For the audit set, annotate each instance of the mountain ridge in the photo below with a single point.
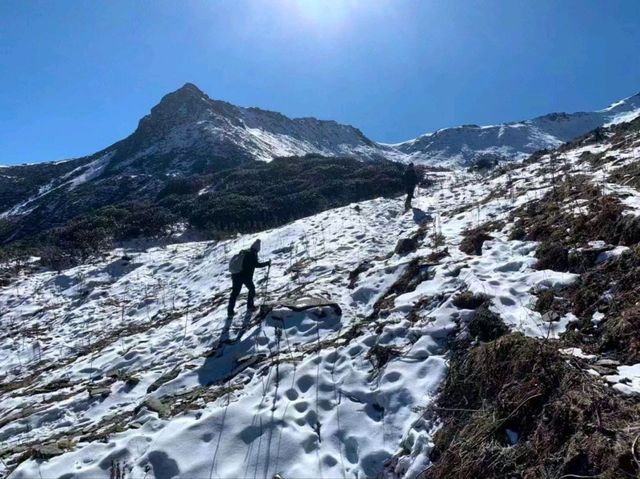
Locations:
(188, 115)
(466, 144)
(189, 126)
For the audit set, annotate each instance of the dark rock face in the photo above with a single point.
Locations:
(406, 246)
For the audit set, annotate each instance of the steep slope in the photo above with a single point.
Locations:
(468, 144)
(128, 364)
(187, 136)
(73, 216)
(24, 183)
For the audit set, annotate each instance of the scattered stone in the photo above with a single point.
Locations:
(46, 451)
(165, 378)
(284, 249)
(421, 217)
(550, 317)
(101, 392)
(607, 362)
(156, 406)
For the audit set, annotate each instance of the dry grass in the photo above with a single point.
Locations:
(566, 422)
(412, 276)
(486, 325)
(612, 289)
(629, 175)
(558, 230)
(469, 300)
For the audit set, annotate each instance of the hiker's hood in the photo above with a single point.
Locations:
(256, 245)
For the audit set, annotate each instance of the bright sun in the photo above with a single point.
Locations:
(322, 13)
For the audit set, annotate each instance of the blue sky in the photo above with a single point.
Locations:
(76, 75)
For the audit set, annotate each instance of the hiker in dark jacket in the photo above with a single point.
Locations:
(410, 180)
(245, 277)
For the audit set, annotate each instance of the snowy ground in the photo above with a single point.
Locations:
(130, 365)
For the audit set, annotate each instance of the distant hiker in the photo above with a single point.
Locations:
(241, 267)
(410, 180)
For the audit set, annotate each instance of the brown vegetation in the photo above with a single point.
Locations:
(473, 240)
(515, 408)
(486, 325)
(612, 289)
(559, 230)
(469, 300)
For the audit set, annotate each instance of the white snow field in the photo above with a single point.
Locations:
(516, 140)
(127, 367)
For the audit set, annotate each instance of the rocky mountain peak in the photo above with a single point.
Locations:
(185, 103)
(189, 89)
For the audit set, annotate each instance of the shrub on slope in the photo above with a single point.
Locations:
(80, 223)
(260, 195)
(515, 408)
(572, 214)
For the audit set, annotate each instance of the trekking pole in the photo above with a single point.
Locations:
(265, 288)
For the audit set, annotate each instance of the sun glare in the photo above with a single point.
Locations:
(327, 14)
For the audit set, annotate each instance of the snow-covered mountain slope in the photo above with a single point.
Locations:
(187, 124)
(191, 135)
(513, 141)
(187, 137)
(187, 133)
(296, 393)
(128, 365)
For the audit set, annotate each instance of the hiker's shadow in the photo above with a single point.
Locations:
(219, 365)
(421, 216)
(225, 334)
(246, 321)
